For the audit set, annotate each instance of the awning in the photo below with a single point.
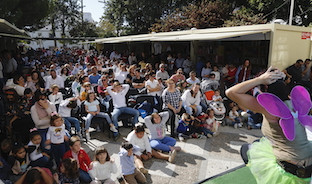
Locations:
(208, 36)
(9, 30)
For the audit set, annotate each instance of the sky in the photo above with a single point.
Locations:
(95, 8)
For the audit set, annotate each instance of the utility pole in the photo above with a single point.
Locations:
(82, 12)
(291, 11)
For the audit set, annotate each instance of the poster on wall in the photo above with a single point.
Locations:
(305, 35)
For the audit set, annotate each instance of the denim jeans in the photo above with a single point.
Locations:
(101, 115)
(118, 111)
(163, 144)
(58, 150)
(189, 109)
(43, 134)
(69, 121)
(84, 176)
(41, 162)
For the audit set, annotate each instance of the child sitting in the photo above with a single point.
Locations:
(139, 138)
(156, 123)
(211, 124)
(18, 161)
(55, 97)
(65, 112)
(234, 117)
(56, 136)
(217, 97)
(37, 157)
(69, 172)
(187, 128)
(130, 172)
(81, 157)
(102, 167)
(93, 109)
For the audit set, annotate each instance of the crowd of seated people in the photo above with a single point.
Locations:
(51, 98)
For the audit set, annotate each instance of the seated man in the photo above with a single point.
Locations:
(118, 93)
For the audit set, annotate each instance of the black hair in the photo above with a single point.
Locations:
(32, 134)
(299, 61)
(126, 145)
(279, 89)
(16, 78)
(32, 176)
(139, 127)
(27, 91)
(38, 94)
(16, 147)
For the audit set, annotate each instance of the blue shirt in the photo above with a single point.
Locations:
(93, 79)
(182, 127)
(127, 162)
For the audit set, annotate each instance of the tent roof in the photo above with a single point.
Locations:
(9, 30)
(193, 34)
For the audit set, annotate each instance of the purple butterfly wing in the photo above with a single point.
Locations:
(288, 127)
(276, 107)
(301, 101)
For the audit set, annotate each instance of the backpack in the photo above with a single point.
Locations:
(145, 109)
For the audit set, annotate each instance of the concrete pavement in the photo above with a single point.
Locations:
(199, 158)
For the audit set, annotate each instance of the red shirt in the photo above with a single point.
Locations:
(83, 159)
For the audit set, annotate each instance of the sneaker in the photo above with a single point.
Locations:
(181, 138)
(201, 137)
(172, 155)
(116, 135)
(79, 134)
(215, 134)
(235, 125)
(143, 170)
(98, 129)
(113, 129)
(177, 148)
(209, 135)
(240, 125)
(88, 136)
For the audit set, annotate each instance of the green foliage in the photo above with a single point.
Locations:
(244, 16)
(205, 14)
(25, 14)
(136, 16)
(106, 29)
(85, 29)
(302, 10)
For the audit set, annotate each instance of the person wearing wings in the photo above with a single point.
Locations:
(284, 154)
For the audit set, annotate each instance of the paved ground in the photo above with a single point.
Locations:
(199, 158)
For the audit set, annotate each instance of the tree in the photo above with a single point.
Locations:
(85, 29)
(244, 16)
(279, 9)
(136, 16)
(25, 14)
(106, 29)
(205, 14)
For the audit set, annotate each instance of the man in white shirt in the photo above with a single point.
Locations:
(162, 73)
(187, 65)
(153, 86)
(193, 79)
(54, 79)
(118, 93)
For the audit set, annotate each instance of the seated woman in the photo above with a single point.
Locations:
(191, 100)
(41, 115)
(284, 155)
